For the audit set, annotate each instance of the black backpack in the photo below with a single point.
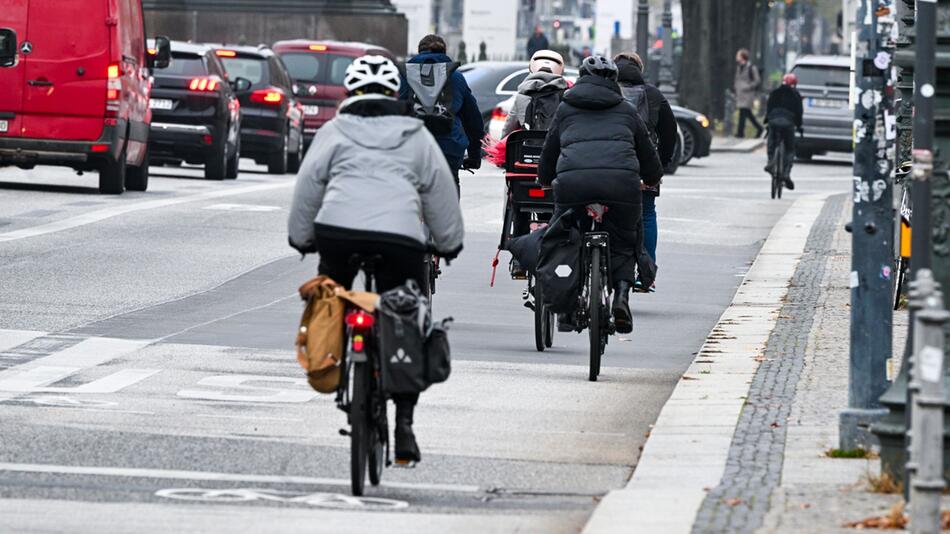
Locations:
(432, 95)
(541, 109)
(637, 96)
(559, 264)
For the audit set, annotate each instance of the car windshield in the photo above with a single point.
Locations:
(185, 65)
(329, 69)
(826, 76)
(252, 69)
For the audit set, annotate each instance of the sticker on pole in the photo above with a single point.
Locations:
(335, 501)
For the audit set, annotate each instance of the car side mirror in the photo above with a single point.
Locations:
(241, 84)
(8, 48)
(163, 53)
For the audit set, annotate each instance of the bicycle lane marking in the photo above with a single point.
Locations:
(114, 211)
(333, 501)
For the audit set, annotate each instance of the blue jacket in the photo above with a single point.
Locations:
(469, 128)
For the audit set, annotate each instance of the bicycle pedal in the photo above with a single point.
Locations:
(530, 305)
(404, 464)
(344, 432)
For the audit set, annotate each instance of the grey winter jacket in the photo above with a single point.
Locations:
(535, 82)
(746, 85)
(376, 178)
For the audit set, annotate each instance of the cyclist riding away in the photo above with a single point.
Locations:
(784, 116)
(596, 151)
(539, 94)
(374, 182)
(464, 128)
(656, 113)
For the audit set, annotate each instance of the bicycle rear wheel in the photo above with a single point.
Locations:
(359, 426)
(377, 443)
(596, 313)
(540, 317)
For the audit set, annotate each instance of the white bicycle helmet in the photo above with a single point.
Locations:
(371, 74)
(547, 61)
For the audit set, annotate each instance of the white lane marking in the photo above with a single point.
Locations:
(114, 211)
(241, 207)
(251, 393)
(250, 417)
(334, 501)
(15, 338)
(33, 375)
(219, 477)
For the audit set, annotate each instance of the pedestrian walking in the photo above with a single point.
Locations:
(746, 85)
(537, 41)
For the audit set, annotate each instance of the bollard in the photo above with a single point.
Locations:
(925, 470)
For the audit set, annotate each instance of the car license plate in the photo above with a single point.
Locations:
(826, 103)
(160, 103)
(311, 110)
(4, 126)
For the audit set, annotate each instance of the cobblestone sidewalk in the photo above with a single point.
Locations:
(778, 478)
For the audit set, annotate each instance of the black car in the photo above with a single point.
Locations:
(195, 113)
(271, 116)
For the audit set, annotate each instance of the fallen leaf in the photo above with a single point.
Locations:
(685, 377)
(734, 502)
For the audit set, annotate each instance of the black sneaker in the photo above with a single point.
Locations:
(789, 184)
(407, 451)
(565, 322)
(623, 319)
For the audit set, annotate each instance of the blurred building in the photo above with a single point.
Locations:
(257, 21)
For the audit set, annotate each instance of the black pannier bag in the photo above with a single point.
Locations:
(559, 264)
(438, 355)
(404, 323)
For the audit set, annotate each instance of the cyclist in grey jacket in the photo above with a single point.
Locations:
(374, 182)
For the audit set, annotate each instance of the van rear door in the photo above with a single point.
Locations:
(66, 71)
(12, 80)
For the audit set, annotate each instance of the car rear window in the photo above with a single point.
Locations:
(185, 65)
(253, 69)
(826, 76)
(329, 69)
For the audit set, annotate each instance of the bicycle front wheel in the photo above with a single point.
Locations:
(595, 310)
(359, 426)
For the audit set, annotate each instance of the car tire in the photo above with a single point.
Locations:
(688, 143)
(112, 176)
(234, 162)
(136, 178)
(277, 161)
(294, 160)
(216, 164)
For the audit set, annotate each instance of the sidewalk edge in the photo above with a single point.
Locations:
(686, 452)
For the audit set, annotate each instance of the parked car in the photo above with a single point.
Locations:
(824, 82)
(317, 69)
(76, 94)
(271, 115)
(196, 115)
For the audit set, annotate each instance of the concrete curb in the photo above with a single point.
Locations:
(686, 452)
(744, 146)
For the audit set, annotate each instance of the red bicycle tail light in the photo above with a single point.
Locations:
(360, 319)
(271, 95)
(498, 114)
(536, 193)
(203, 84)
(358, 343)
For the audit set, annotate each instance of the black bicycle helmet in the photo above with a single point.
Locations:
(599, 66)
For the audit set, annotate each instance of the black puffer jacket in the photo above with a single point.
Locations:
(597, 148)
(785, 102)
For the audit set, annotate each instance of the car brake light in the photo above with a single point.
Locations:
(498, 114)
(358, 343)
(225, 53)
(359, 319)
(113, 90)
(536, 193)
(267, 96)
(203, 84)
(318, 48)
(99, 148)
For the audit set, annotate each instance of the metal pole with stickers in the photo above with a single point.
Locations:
(872, 263)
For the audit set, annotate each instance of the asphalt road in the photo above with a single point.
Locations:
(147, 381)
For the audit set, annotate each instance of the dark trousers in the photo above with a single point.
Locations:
(398, 263)
(622, 222)
(746, 113)
(782, 131)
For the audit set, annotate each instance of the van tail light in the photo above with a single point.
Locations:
(360, 319)
(203, 84)
(271, 95)
(536, 193)
(498, 114)
(113, 90)
(225, 53)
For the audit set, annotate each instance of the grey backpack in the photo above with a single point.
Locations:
(432, 95)
(637, 95)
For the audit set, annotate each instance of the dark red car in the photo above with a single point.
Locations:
(317, 68)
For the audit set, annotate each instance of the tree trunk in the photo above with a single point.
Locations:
(713, 30)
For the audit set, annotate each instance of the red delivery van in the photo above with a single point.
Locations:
(75, 77)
